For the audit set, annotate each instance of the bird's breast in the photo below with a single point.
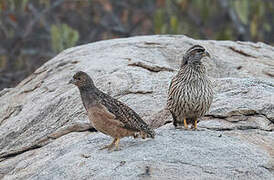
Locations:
(192, 97)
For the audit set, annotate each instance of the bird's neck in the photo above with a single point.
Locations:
(87, 88)
(89, 95)
(190, 71)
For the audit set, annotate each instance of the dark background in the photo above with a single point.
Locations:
(34, 31)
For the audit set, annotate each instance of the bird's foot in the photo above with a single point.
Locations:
(116, 143)
(114, 149)
(196, 129)
(109, 147)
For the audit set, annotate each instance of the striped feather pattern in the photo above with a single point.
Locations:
(190, 93)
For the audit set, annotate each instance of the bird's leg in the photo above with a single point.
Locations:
(185, 124)
(110, 146)
(195, 124)
(117, 144)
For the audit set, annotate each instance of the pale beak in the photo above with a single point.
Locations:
(206, 54)
(72, 81)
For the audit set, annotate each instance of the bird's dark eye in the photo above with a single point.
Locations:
(78, 78)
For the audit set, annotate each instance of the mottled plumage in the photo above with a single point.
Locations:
(108, 115)
(190, 92)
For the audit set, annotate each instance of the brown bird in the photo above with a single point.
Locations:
(190, 92)
(108, 115)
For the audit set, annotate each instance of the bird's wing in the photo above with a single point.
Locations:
(171, 92)
(123, 113)
(101, 113)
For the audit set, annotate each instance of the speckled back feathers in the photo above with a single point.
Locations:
(92, 96)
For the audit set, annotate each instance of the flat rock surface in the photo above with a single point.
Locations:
(175, 154)
(45, 132)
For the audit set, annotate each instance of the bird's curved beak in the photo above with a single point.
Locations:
(206, 54)
(72, 81)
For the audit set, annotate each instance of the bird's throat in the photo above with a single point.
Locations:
(89, 96)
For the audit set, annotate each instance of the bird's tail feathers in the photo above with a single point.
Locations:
(150, 133)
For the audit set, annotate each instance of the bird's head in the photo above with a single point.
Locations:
(194, 55)
(81, 80)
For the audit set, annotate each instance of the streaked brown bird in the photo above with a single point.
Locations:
(190, 92)
(109, 115)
